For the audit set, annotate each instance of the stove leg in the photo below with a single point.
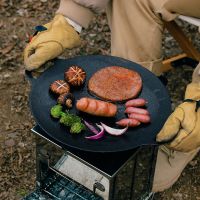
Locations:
(42, 162)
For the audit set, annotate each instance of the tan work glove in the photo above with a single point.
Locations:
(183, 125)
(50, 43)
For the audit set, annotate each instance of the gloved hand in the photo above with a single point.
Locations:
(50, 43)
(183, 125)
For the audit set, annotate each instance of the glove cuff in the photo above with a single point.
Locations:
(193, 91)
(72, 38)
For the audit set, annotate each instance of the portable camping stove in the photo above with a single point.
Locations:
(64, 173)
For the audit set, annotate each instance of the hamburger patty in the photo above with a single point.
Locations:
(115, 83)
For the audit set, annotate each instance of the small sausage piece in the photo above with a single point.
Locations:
(128, 122)
(136, 102)
(96, 107)
(140, 117)
(136, 110)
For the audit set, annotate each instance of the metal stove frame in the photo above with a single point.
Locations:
(129, 174)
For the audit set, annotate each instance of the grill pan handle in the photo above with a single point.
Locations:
(31, 76)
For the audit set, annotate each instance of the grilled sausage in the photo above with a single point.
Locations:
(128, 122)
(140, 117)
(136, 102)
(136, 110)
(96, 107)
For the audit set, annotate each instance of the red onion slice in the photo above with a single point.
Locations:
(92, 128)
(97, 136)
(114, 131)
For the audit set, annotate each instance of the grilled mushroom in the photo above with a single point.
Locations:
(66, 99)
(75, 76)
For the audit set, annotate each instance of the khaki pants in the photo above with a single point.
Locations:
(136, 34)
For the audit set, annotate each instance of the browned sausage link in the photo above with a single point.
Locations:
(82, 104)
(102, 106)
(136, 102)
(128, 122)
(136, 110)
(92, 105)
(96, 107)
(140, 117)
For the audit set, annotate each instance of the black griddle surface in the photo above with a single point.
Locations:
(41, 101)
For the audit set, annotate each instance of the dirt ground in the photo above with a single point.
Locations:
(17, 146)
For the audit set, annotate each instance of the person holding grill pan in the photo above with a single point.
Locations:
(141, 21)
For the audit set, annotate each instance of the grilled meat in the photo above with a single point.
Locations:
(115, 83)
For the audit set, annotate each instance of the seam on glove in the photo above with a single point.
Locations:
(183, 115)
(51, 41)
(183, 120)
(184, 129)
(169, 153)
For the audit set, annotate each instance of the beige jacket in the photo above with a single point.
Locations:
(81, 11)
(137, 40)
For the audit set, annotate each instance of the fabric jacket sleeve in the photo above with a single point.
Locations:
(81, 11)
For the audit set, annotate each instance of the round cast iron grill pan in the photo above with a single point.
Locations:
(41, 101)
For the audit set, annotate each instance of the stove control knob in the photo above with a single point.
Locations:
(98, 186)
